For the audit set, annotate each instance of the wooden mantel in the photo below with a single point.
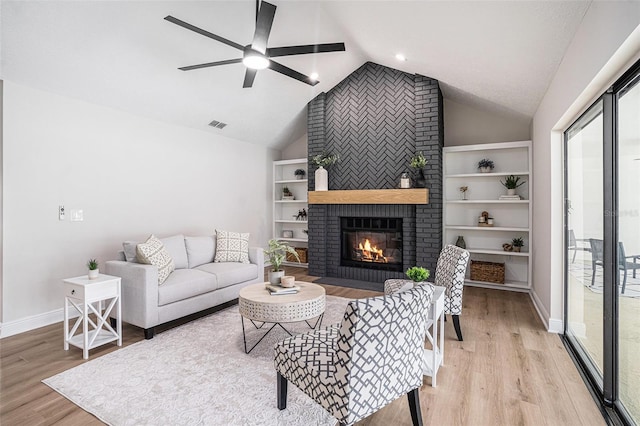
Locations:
(371, 196)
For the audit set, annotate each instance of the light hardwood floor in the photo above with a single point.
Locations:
(508, 371)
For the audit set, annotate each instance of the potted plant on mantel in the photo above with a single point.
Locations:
(277, 253)
(419, 162)
(417, 274)
(94, 272)
(322, 176)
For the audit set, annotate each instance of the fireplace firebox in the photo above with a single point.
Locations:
(370, 242)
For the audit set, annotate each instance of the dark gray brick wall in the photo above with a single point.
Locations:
(376, 119)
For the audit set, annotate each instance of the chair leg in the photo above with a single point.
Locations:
(282, 392)
(414, 407)
(593, 274)
(456, 325)
(624, 281)
(574, 255)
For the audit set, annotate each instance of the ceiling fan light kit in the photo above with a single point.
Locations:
(257, 56)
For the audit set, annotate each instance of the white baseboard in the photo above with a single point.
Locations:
(551, 324)
(22, 325)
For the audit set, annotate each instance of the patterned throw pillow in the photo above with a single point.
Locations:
(152, 252)
(232, 247)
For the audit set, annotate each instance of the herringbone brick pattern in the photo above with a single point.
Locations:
(376, 119)
(370, 122)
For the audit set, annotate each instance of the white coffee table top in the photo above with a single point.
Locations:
(256, 303)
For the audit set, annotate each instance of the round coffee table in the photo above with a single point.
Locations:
(258, 306)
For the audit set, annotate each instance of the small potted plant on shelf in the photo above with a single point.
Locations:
(419, 162)
(517, 244)
(417, 274)
(464, 190)
(286, 194)
(277, 253)
(299, 174)
(92, 264)
(512, 182)
(321, 175)
(485, 165)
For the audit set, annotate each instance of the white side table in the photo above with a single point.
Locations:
(434, 357)
(87, 296)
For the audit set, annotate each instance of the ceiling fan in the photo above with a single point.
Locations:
(257, 56)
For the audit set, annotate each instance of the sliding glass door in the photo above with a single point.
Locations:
(584, 147)
(602, 246)
(628, 178)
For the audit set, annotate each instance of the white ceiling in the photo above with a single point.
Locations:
(499, 56)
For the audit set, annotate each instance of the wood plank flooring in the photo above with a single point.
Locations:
(508, 371)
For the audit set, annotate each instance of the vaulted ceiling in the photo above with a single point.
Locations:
(498, 56)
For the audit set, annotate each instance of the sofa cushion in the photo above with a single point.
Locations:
(232, 247)
(230, 273)
(152, 252)
(200, 250)
(185, 283)
(130, 251)
(176, 249)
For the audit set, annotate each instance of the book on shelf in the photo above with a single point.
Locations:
(277, 290)
(509, 197)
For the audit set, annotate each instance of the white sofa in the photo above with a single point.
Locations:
(196, 284)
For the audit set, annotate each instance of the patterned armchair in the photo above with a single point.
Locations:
(450, 271)
(373, 357)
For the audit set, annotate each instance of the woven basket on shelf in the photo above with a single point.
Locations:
(302, 254)
(487, 271)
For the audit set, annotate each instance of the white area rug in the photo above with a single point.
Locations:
(195, 374)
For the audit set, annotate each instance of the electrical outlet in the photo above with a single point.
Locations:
(77, 215)
(60, 212)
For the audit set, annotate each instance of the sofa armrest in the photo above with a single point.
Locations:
(256, 256)
(139, 291)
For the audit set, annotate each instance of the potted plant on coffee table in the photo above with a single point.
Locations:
(277, 253)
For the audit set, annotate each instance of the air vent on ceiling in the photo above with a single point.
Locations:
(218, 124)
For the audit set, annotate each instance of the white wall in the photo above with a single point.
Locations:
(595, 57)
(131, 176)
(466, 125)
(295, 150)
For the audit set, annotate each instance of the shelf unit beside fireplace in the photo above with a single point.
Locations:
(512, 218)
(285, 210)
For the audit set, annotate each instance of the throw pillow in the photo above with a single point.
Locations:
(175, 247)
(130, 251)
(152, 252)
(232, 247)
(200, 250)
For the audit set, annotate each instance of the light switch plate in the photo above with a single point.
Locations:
(77, 215)
(60, 212)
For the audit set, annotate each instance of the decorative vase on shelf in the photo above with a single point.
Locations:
(460, 242)
(511, 191)
(421, 182)
(322, 179)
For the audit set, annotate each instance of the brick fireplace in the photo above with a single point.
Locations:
(376, 119)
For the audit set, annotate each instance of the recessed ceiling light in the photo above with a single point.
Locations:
(401, 57)
(313, 76)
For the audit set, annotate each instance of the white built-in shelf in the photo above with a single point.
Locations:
(487, 228)
(487, 201)
(512, 218)
(498, 252)
(285, 211)
(292, 180)
(487, 175)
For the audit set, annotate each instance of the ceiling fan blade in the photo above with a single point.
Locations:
(291, 73)
(305, 49)
(203, 32)
(263, 27)
(249, 76)
(211, 64)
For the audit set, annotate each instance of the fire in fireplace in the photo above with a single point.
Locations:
(369, 242)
